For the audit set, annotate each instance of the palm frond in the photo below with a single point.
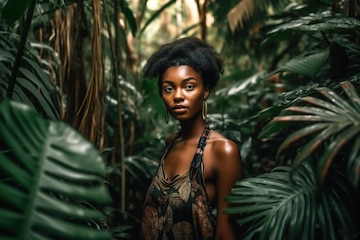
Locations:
(277, 207)
(33, 86)
(51, 179)
(245, 10)
(332, 123)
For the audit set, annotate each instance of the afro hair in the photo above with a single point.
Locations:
(189, 51)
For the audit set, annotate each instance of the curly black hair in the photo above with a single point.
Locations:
(189, 51)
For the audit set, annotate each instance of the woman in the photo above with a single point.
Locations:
(191, 179)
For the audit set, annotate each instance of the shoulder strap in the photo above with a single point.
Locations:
(197, 164)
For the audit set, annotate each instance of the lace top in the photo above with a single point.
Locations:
(178, 208)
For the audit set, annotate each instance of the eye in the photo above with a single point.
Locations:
(189, 87)
(168, 89)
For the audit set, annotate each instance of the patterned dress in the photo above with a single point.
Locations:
(179, 208)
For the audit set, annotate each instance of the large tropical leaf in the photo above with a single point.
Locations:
(51, 181)
(275, 207)
(308, 65)
(331, 122)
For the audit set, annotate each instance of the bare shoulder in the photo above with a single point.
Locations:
(222, 146)
(224, 155)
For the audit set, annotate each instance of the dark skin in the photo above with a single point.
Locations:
(183, 92)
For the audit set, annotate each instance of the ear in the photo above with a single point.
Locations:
(206, 93)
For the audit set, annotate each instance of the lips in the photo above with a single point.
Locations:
(179, 108)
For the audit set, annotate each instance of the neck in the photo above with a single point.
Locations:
(192, 129)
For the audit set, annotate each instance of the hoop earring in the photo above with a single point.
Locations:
(204, 110)
(167, 116)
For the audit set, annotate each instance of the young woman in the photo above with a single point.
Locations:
(199, 166)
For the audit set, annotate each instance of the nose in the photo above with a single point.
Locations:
(178, 96)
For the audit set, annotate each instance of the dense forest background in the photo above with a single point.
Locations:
(81, 132)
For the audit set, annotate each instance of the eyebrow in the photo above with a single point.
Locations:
(184, 80)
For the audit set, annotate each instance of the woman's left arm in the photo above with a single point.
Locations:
(228, 171)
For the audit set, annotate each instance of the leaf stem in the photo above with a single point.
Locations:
(21, 48)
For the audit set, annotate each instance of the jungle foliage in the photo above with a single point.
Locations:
(77, 117)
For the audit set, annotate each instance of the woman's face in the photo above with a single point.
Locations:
(183, 92)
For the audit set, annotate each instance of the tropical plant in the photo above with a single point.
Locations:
(22, 76)
(273, 206)
(328, 135)
(284, 50)
(51, 179)
(313, 128)
(332, 121)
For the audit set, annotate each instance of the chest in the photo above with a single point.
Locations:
(178, 159)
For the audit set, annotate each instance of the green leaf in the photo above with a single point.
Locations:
(129, 15)
(52, 177)
(352, 94)
(341, 103)
(311, 111)
(323, 104)
(295, 136)
(354, 164)
(320, 22)
(316, 141)
(298, 212)
(331, 123)
(333, 148)
(42, 102)
(150, 86)
(14, 9)
(306, 65)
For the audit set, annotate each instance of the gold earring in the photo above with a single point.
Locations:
(204, 110)
(167, 116)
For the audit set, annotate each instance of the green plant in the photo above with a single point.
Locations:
(312, 131)
(307, 197)
(273, 206)
(51, 179)
(330, 122)
(22, 77)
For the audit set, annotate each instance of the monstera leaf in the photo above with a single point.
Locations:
(275, 206)
(51, 180)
